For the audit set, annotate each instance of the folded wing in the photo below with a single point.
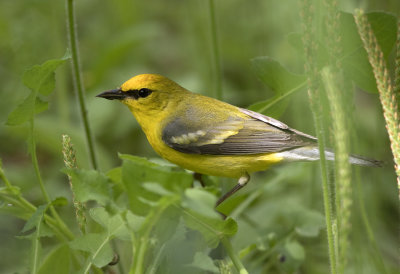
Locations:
(249, 134)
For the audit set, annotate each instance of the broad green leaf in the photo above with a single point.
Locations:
(200, 201)
(115, 174)
(273, 107)
(212, 229)
(309, 223)
(156, 188)
(98, 245)
(26, 110)
(113, 225)
(60, 201)
(295, 250)
(90, 185)
(40, 105)
(275, 76)
(59, 258)
(23, 112)
(278, 79)
(176, 254)
(41, 78)
(204, 262)
(136, 171)
(135, 222)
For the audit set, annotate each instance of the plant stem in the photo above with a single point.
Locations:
(325, 192)
(79, 89)
(342, 166)
(216, 56)
(30, 209)
(311, 67)
(32, 149)
(234, 257)
(364, 216)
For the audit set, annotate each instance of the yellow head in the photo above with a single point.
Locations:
(146, 94)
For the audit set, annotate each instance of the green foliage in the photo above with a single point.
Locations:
(281, 81)
(41, 80)
(90, 185)
(59, 258)
(151, 215)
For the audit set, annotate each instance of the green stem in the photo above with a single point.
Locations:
(326, 192)
(4, 178)
(32, 146)
(78, 79)
(214, 39)
(332, 82)
(234, 257)
(30, 209)
(364, 216)
(309, 17)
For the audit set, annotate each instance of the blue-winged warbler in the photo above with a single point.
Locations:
(211, 137)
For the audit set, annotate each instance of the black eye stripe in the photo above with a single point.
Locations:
(141, 93)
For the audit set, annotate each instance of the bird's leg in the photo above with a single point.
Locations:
(241, 183)
(197, 176)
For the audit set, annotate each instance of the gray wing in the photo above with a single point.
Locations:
(235, 136)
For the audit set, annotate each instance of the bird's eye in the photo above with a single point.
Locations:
(144, 92)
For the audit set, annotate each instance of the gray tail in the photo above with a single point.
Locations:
(311, 153)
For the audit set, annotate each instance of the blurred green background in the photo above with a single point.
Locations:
(120, 39)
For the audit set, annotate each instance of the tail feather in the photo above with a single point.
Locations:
(312, 154)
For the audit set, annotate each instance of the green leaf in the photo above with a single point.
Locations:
(278, 79)
(200, 201)
(156, 188)
(212, 229)
(273, 107)
(41, 78)
(309, 223)
(204, 262)
(295, 250)
(138, 172)
(275, 76)
(35, 219)
(90, 185)
(23, 112)
(40, 105)
(59, 258)
(135, 222)
(113, 225)
(98, 245)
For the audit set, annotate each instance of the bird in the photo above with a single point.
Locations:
(208, 136)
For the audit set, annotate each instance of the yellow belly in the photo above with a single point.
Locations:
(225, 166)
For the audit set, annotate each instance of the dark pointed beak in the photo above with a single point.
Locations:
(112, 94)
